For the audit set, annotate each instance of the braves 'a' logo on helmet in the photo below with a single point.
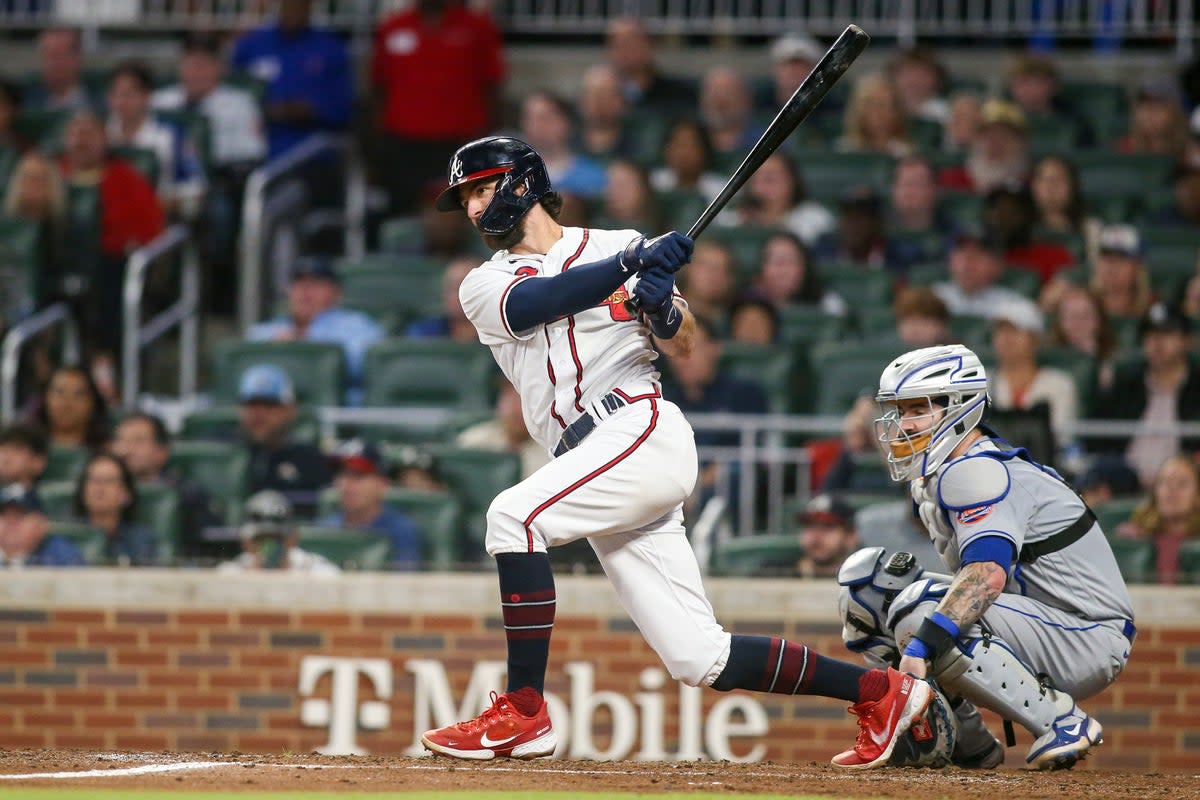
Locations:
(456, 169)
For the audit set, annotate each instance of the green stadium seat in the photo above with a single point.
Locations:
(317, 369)
(429, 372)
(758, 555)
(20, 265)
(220, 424)
(9, 156)
(925, 134)
(88, 540)
(859, 287)
(401, 235)
(58, 498)
(1189, 561)
(389, 262)
(220, 468)
(1068, 239)
(144, 160)
(827, 175)
(875, 321)
(1136, 559)
(1105, 172)
(1083, 372)
(1105, 107)
(772, 368)
(250, 83)
(1024, 281)
(158, 509)
(81, 232)
(438, 515)
(963, 209)
(845, 370)
(65, 463)
(1115, 513)
(476, 477)
(1053, 134)
(646, 132)
(805, 324)
(350, 550)
(395, 296)
(930, 244)
(43, 128)
(680, 208)
(745, 242)
(974, 332)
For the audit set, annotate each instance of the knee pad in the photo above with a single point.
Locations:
(914, 603)
(871, 582)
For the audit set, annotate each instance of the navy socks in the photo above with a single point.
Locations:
(771, 664)
(527, 602)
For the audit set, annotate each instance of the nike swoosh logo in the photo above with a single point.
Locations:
(486, 742)
(1073, 730)
(882, 740)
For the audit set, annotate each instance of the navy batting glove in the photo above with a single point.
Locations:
(654, 291)
(669, 251)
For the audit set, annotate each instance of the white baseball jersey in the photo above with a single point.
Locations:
(560, 367)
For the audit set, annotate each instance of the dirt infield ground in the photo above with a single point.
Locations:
(223, 772)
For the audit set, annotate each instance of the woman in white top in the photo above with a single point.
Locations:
(687, 157)
(775, 197)
(787, 277)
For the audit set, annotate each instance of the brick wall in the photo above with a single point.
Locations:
(117, 675)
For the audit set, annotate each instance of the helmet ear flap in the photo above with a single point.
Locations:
(508, 205)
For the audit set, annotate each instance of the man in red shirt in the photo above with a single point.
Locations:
(436, 71)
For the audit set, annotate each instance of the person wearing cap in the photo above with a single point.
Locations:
(1107, 478)
(1119, 275)
(25, 539)
(827, 535)
(1017, 382)
(1162, 390)
(416, 468)
(315, 315)
(976, 264)
(1157, 124)
(998, 154)
(24, 451)
(921, 82)
(266, 413)
(270, 540)
(362, 485)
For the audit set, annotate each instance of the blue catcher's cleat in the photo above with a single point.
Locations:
(1068, 741)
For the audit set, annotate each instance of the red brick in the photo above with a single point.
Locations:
(204, 618)
(443, 623)
(116, 637)
(52, 635)
(12, 739)
(1154, 655)
(1178, 719)
(141, 618)
(577, 624)
(1178, 677)
(142, 658)
(48, 719)
(86, 740)
(108, 719)
(1177, 760)
(1179, 636)
(389, 622)
(202, 741)
(235, 680)
(217, 701)
(143, 741)
(1133, 697)
(21, 697)
(173, 638)
(327, 619)
(79, 698)
(357, 641)
(277, 681)
(80, 616)
(263, 619)
(180, 680)
(8, 719)
(234, 638)
(267, 660)
(26, 655)
(154, 700)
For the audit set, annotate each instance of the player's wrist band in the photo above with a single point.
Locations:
(934, 638)
(665, 322)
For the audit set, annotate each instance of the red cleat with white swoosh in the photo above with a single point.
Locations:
(501, 731)
(880, 722)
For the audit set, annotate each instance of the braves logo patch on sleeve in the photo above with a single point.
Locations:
(969, 516)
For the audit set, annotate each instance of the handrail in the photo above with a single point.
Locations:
(184, 313)
(15, 339)
(254, 207)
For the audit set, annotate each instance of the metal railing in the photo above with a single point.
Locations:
(274, 193)
(16, 339)
(184, 313)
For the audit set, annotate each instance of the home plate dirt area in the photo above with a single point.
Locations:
(233, 773)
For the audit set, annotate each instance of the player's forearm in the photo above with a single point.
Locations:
(536, 301)
(975, 588)
(679, 345)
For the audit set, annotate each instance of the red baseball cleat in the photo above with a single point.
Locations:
(499, 732)
(880, 722)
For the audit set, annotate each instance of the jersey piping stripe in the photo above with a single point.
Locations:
(594, 474)
(504, 302)
(657, 393)
(550, 372)
(571, 327)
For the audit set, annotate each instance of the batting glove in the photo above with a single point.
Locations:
(654, 291)
(669, 251)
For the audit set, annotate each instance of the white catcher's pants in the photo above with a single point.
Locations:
(623, 489)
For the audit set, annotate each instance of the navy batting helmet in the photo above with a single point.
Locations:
(515, 162)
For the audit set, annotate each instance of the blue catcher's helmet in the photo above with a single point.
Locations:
(514, 162)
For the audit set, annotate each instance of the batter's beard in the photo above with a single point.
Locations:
(505, 241)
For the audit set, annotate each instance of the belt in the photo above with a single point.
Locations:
(578, 430)
(1076, 531)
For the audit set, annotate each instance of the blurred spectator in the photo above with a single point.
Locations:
(235, 123)
(631, 53)
(775, 197)
(793, 57)
(416, 468)
(857, 466)
(1185, 206)
(23, 455)
(1081, 324)
(976, 264)
(687, 158)
(142, 442)
(1119, 276)
(788, 276)
(1059, 204)
(875, 119)
(10, 106)
(546, 125)
(998, 154)
(315, 315)
(1033, 84)
(827, 536)
(72, 411)
(1191, 300)
(920, 81)
(60, 67)
(453, 322)
(362, 485)
(309, 82)
(628, 200)
(437, 69)
(1159, 392)
(36, 194)
(1018, 382)
(25, 538)
(914, 197)
(270, 540)
(506, 433)
(709, 282)
(726, 108)
(1107, 478)
(1170, 515)
(1157, 124)
(444, 236)
(922, 319)
(266, 413)
(753, 321)
(131, 124)
(861, 236)
(602, 111)
(1191, 152)
(106, 498)
(1009, 213)
(963, 124)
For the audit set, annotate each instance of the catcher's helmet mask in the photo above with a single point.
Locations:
(522, 175)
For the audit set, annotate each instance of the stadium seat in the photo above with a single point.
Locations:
(220, 424)
(758, 555)
(476, 477)
(646, 131)
(1136, 559)
(9, 156)
(401, 235)
(1053, 134)
(1115, 512)
(746, 243)
(158, 509)
(1024, 281)
(843, 371)
(963, 209)
(1108, 173)
(1104, 106)
(931, 245)
(81, 232)
(974, 332)
(680, 208)
(43, 128)
(20, 271)
(64, 463)
(1189, 561)
(875, 321)
(1068, 239)
(438, 515)
(429, 372)
(772, 368)
(58, 498)
(391, 263)
(397, 295)
(925, 134)
(350, 550)
(89, 541)
(828, 174)
(1082, 370)
(317, 369)
(804, 324)
(859, 287)
(220, 468)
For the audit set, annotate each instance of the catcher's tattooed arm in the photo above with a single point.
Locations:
(975, 588)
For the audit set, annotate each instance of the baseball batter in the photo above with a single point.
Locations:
(552, 306)
(1035, 613)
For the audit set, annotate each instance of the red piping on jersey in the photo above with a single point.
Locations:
(571, 328)
(550, 372)
(504, 299)
(594, 474)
